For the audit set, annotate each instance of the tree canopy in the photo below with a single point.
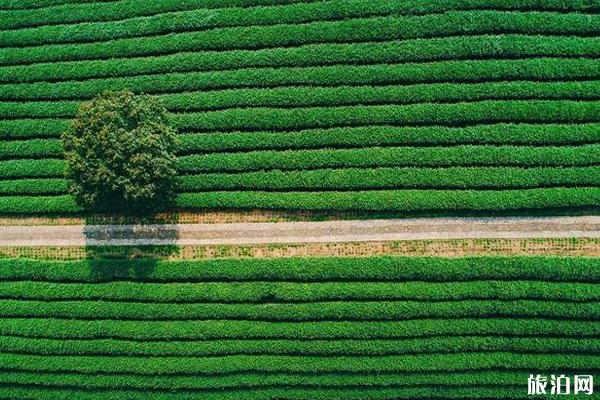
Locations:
(120, 152)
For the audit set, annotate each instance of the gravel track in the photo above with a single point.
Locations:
(303, 232)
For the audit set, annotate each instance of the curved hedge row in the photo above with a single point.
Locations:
(34, 4)
(318, 311)
(33, 186)
(390, 200)
(337, 75)
(299, 364)
(196, 20)
(372, 347)
(468, 155)
(381, 135)
(294, 292)
(374, 393)
(345, 137)
(259, 330)
(31, 148)
(381, 269)
(453, 114)
(462, 155)
(254, 380)
(418, 50)
(355, 178)
(100, 11)
(407, 201)
(335, 96)
(302, 12)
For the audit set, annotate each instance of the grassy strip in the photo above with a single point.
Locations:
(377, 157)
(373, 347)
(287, 14)
(33, 186)
(297, 312)
(198, 19)
(36, 168)
(368, 157)
(424, 178)
(273, 292)
(39, 204)
(318, 311)
(254, 380)
(76, 13)
(324, 393)
(413, 114)
(31, 148)
(385, 200)
(509, 46)
(31, 128)
(385, 269)
(333, 96)
(409, 73)
(36, 4)
(201, 19)
(293, 34)
(210, 330)
(543, 134)
(338, 96)
(377, 135)
(268, 364)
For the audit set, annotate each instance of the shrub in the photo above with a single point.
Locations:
(120, 152)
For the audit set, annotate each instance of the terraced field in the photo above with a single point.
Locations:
(378, 105)
(343, 328)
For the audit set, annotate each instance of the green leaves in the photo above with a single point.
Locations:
(120, 152)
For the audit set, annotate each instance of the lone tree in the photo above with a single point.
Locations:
(120, 152)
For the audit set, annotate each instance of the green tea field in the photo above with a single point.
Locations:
(406, 106)
(320, 328)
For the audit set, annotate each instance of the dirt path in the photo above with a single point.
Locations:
(303, 232)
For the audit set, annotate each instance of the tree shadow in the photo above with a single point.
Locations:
(126, 248)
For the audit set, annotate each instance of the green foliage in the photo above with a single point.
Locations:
(463, 155)
(100, 11)
(31, 148)
(289, 97)
(32, 168)
(38, 204)
(253, 380)
(37, 4)
(299, 364)
(487, 111)
(378, 135)
(120, 152)
(405, 201)
(318, 328)
(330, 269)
(396, 105)
(299, 292)
(435, 49)
(380, 178)
(548, 68)
(234, 21)
(31, 128)
(374, 392)
(34, 186)
(314, 311)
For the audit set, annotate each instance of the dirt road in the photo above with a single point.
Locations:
(303, 232)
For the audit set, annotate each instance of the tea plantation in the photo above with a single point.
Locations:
(348, 105)
(321, 328)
